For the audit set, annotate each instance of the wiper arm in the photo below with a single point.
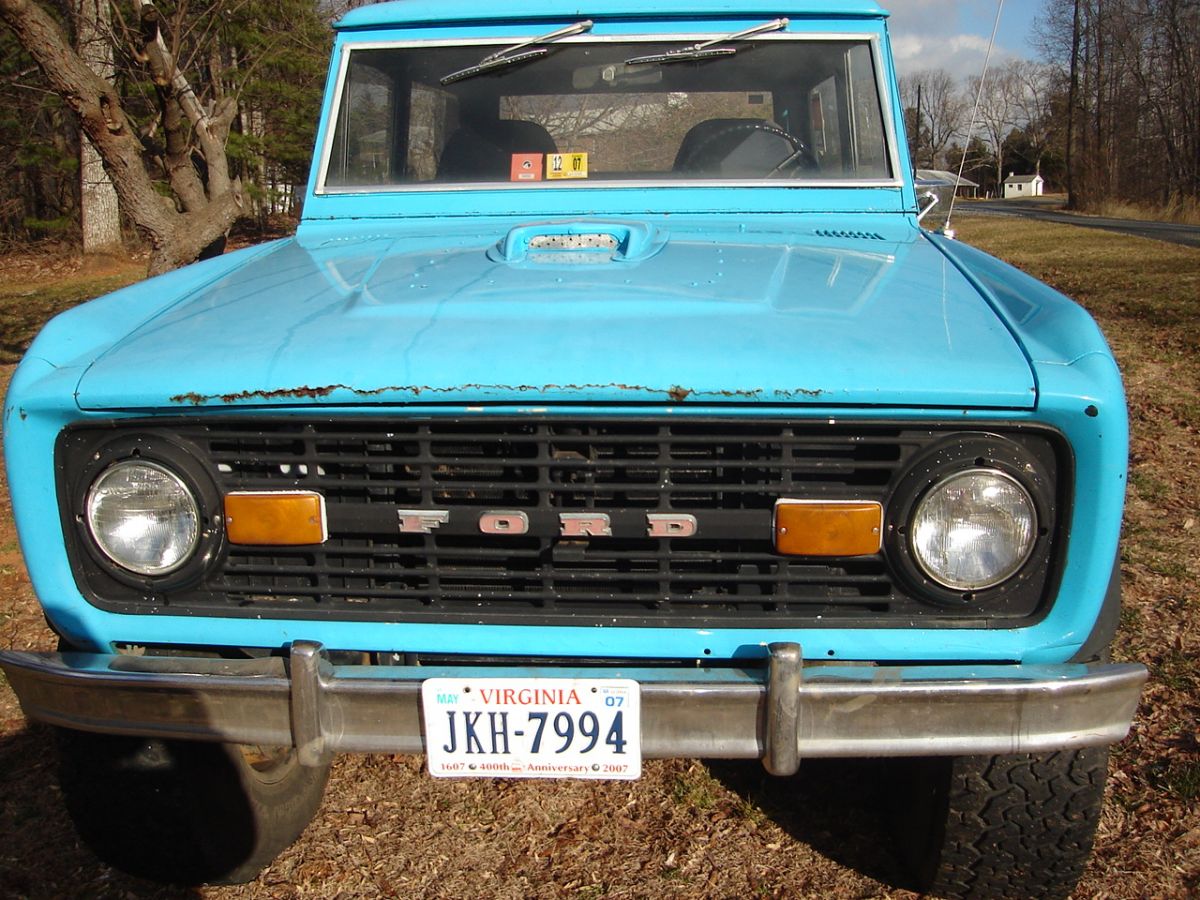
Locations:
(705, 49)
(510, 55)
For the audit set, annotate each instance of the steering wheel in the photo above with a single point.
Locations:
(714, 148)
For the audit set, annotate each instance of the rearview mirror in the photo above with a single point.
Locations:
(614, 75)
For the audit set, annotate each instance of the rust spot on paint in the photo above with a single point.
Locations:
(676, 393)
(300, 393)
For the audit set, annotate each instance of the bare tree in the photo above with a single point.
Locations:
(1160, 49)
(1072, 105)
(1133, 67)
(207, 199)
(944, 111)
(1033, 86)
(997, 112)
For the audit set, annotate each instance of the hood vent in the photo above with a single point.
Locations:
(572, 249)
(579, 243)
(597, 241)
(849, 235)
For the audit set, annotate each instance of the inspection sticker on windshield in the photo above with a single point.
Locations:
(566, 165)
(532, 727)
(526, 167)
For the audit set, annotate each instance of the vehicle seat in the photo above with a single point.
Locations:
(747, 147)
(470, 155)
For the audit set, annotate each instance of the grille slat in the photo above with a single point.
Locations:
(463, 602)
(452, 571)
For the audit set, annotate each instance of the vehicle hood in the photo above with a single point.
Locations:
(679, 312)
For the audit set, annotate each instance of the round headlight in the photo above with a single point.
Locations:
(143, 517)
(974, 529)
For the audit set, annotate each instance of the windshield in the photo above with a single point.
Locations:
(780, 109)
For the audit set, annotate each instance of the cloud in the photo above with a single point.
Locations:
(968, 43)
(953, 34)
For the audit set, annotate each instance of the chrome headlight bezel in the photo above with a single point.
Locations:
(1013, 562)
(187, 517)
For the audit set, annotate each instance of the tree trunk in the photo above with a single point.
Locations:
(254, 126)
(100, 218)
(209, 207)
(1072, 101)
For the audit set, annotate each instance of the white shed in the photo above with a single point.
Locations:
(1023, 186)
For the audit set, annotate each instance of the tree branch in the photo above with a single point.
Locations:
(99, 110)
(166, 73)
(210, 205)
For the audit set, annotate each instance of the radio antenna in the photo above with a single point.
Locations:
(946, 229)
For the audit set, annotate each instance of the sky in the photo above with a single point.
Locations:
(953, 34)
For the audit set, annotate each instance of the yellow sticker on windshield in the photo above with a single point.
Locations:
(566, 165)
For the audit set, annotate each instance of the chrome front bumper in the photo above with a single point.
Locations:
(779, 714)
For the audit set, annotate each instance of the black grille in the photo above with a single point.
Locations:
(547, 465)
(728, 473)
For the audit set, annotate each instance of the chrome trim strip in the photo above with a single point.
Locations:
(335, 108)
(884, 99)
(480, 186)
(840, 711)
(593, 38)
(348, 46)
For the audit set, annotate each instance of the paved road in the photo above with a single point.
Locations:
(1188, 235)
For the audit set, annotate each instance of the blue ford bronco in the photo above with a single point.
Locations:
(608, 404)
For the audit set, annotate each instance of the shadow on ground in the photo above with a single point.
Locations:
(842, 808)
(40, 855)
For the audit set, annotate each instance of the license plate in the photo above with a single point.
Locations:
(532, 728)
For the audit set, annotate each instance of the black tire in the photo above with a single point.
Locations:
(185, 812)
(1016, 826)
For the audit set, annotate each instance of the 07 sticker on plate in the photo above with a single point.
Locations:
(532, 727)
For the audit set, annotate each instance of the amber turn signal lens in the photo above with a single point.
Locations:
(275, 519)
(828, 527)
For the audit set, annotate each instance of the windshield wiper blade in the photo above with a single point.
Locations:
(499, 63)
(510, 55)
(705, 49)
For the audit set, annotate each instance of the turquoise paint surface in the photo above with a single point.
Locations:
(399, 301)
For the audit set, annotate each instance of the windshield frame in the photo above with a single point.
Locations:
(347, 46)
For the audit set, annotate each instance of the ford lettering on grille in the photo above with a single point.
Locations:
(590, 524)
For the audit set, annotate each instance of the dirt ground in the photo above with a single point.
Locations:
(690, 829)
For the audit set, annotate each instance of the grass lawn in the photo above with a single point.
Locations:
(1146, 296)
(35, 289)
(687, 829)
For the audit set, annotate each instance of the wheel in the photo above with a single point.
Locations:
(727, 148)
(1016, 826)
(182, 811)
